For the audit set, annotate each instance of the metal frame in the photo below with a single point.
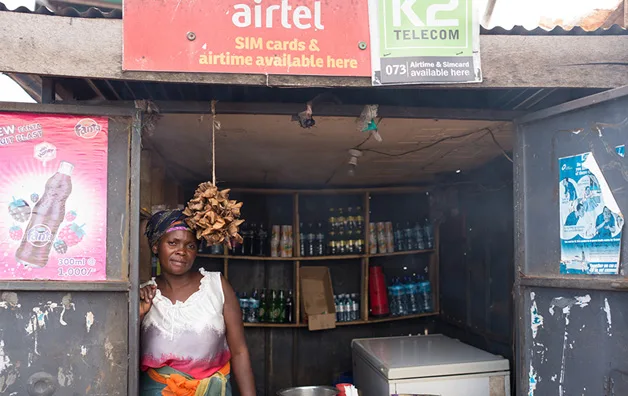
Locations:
(320, 110)
(129, 286)
(522, 281)
(134, 254)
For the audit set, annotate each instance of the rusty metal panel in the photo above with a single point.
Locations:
(577, 342)
(62, 344)
(570, 328)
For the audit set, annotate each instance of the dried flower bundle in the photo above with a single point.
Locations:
(213, 216)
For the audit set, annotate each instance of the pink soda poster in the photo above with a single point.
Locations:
(53, 197)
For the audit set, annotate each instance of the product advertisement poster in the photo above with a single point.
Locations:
(53, 197)
(591, 221)
(424, 42)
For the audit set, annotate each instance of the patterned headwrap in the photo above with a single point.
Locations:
(164, 222)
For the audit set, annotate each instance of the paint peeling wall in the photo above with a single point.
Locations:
(573, 329)
(63, 344)
(575, 351)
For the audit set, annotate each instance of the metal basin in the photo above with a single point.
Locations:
(309, 391)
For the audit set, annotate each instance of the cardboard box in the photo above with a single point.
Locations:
(317, 298)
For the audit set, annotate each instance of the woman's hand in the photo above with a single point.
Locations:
(147, 293)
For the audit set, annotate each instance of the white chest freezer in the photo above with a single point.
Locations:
(427, 365)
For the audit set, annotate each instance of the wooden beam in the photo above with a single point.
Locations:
(508, 61)
(322, 110)
(47, 90)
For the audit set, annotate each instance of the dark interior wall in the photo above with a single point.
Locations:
(477, 261)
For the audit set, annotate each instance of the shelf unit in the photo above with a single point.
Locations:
(365, 259)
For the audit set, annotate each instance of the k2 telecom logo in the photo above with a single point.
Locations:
(424, 42)
(431, 25)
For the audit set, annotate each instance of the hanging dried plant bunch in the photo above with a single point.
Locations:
(214, 216)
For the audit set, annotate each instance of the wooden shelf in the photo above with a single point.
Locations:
(246, 324)
(261, 258)
(315, 258)
(337, 257)
(353, 323)
(207, 255)
(404, 253)
(396, 318)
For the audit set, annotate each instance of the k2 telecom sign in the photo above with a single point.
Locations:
(302, 37)
(424, 42)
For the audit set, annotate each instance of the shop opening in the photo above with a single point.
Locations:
(357, 226)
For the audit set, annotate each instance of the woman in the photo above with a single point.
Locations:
(192, 332)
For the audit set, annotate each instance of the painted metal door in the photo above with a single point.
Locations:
(572, 329)
(80, 337)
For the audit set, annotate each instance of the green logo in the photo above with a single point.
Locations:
(426, 28)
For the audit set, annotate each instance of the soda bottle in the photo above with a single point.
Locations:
(302, 241)
(331, 222)
(320, 241)
(48, 213)
(281, 307)
(311, 240)
(289, 313)
(273, 307)
(261, 241)
(263, 307)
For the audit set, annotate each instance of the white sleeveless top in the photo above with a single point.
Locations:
(188, 336)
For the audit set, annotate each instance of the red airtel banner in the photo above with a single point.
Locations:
(300, 37)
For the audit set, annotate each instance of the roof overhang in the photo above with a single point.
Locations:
(92, 48)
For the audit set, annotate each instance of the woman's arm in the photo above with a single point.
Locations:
(240, 360)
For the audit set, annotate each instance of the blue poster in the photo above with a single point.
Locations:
(591, 222)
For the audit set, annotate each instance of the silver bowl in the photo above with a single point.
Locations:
(309, 391)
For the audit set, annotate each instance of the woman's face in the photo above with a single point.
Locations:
(177, 251)
(607, 214)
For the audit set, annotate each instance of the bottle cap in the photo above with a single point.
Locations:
(66, 168)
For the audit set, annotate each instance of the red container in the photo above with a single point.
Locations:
(378, 295)
(343, 389)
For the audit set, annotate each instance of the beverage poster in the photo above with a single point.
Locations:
(53, 197)
(590, 220)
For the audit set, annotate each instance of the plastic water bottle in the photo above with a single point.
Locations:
(428, 232)
(426, 292)
(244, 307)
(398, 306)
(337, 304)
(252, 312)
(348, 308)
(355, 301)
(411, 296)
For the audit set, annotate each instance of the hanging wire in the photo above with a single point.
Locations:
(215, 126)
(500, 146)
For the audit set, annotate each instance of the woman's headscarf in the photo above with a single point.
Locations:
(164, 222)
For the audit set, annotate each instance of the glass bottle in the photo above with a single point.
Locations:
(289, 309)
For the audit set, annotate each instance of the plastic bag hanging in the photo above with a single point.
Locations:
(366, 121)
(305, 117)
